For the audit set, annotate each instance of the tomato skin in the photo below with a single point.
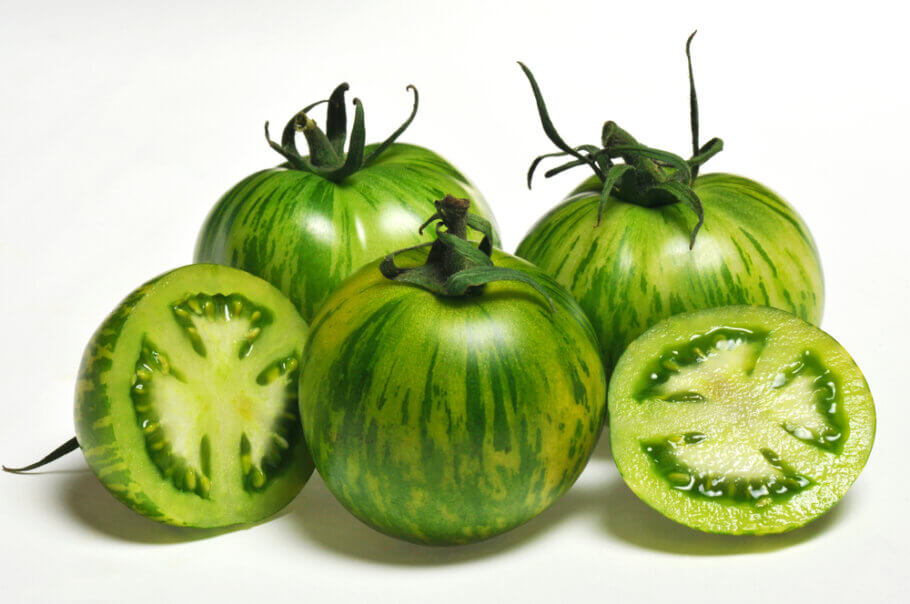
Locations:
(450, 419)
(305, 234)
(636, 268)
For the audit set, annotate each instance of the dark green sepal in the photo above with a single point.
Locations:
(550, 130)
(394, 136)
(709, 150)
(683, 193)
(681, 171)
(327, 157)
(354, 159)
(464, 248)
(293, 158)
(472, 278)
(454, 266)
(566, 166)
(614, 175)
(693, 98)
(482, 225)
(588, 148)
(647, 177)
(336, 121)
(322, 153)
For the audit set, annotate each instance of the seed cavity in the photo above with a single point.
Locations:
(263, 458)
(151, 366)
(762, 491)
(282, 367)
(830, 435)
(696, 350)
(157, 385)
(195, 314)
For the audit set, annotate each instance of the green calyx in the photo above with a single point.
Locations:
(454, 266)
(326, 149)
(647, 177)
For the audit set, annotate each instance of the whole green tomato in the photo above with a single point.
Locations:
(624, 242)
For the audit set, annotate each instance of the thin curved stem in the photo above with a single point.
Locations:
(539, 159)
(428, 222)
(67, 447)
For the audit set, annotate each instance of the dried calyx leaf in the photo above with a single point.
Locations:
(455, 266)
(647, 177)
(327, 157)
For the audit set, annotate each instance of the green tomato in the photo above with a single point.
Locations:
(186, 405)
(636, 268)
(740, 419)
(449, 420)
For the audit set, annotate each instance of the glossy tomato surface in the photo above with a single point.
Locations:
(636, 268)
(305, 234)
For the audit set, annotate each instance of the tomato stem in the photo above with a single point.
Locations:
(454, 266)
(67, 447)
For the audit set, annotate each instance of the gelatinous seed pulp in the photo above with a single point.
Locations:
(825, 389)
(176, 419)
(689, 353)
(233, 307)
(719, 486)
(715, 369)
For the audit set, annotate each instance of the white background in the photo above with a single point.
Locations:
(121, 126)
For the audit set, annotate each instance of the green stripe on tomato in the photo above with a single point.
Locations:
(636, 267)
(305, 234)
(450, 420)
